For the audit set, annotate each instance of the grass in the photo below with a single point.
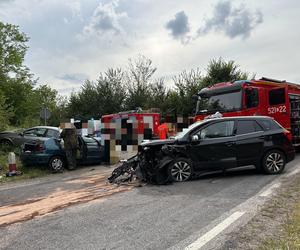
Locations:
(289, 232)
(27, 172)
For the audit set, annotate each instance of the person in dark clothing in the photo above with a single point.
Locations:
(69, 136)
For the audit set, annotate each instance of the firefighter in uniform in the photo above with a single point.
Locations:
(69, 136)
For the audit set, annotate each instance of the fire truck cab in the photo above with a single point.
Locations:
(267, 97)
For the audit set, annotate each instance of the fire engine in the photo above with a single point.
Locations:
(267, 97)
(144, 120)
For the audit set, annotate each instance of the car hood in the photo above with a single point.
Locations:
(158, 142)
(8, 133)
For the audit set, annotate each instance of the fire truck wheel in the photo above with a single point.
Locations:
(274, 162)
(180, 170)
(56, 164)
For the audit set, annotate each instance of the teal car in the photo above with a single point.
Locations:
(50, 152)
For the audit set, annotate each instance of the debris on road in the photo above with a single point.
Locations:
(81, 190)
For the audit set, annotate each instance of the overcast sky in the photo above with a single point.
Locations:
(74, 40)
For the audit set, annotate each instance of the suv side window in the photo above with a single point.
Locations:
(277, 96)
(217, 130)
(246, 127)
(270, 124)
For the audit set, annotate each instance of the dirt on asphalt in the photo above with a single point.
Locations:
(67, 193)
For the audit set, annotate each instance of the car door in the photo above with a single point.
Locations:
(249, 141)
(93, 149)
(216, 148)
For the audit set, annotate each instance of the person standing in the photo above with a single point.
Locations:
(69, 135)
(163, 130)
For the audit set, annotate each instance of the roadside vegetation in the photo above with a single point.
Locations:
(27, 172)
(289, 236)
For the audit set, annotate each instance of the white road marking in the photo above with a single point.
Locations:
(270, 190)
(200, 242)
(293, 172)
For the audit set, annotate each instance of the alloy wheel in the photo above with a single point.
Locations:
(57, 164)
(274, 162)
(181, 171)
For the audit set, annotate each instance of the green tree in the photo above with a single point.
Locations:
(187, 84)
(5, 113)
(105, 96)
(159, 95)
(138, 82)
(218, 70)
(16, 82)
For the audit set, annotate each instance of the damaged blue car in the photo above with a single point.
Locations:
(50, 152)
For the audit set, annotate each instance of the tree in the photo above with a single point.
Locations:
(187, 84)
(105, 96)
(218, 70)
(5, 113)
(159, 95)
(12, 52)
(16, 82)
(138, 82)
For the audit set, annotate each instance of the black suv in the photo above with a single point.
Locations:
(217, 144)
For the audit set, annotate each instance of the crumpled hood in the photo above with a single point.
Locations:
(158, 142)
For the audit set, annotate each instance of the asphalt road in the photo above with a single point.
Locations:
(149, 217)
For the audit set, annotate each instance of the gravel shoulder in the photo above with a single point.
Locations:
(276, 225)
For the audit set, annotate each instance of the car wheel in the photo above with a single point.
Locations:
(274, 162)
(56, 164)
(180, 170)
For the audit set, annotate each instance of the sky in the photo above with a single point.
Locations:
(75, 40)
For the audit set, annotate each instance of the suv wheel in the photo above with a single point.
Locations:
(274, 162)
(56, 164)
(180, 170)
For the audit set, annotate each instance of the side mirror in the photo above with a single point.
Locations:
(21, 134)
(195, 138)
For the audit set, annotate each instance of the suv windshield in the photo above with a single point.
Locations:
(221, 102)
(180, 135)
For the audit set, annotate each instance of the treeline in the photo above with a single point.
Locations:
(115, 90)
(136, 87)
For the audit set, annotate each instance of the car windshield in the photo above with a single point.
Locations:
(222, 102)
(185, 131)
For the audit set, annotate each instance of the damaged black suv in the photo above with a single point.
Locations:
(215, 144)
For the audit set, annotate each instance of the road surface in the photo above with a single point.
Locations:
(192, 215)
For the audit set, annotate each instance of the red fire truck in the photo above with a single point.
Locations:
(269, 97)
(144, 120)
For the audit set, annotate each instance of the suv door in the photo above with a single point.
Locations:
(216, 148)
(249, 142)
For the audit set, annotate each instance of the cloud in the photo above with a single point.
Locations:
(179, 27)
(233, 21)
(106, 18)
(74, 78)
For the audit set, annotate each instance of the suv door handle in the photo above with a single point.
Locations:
(229, 144)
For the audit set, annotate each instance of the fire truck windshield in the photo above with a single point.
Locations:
(231, 101)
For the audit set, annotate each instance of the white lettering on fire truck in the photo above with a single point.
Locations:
(280, 109)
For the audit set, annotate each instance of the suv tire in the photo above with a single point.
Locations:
(273, 162)
(180, 170)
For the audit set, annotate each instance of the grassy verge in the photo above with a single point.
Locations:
(289, 237)
(27, 172)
